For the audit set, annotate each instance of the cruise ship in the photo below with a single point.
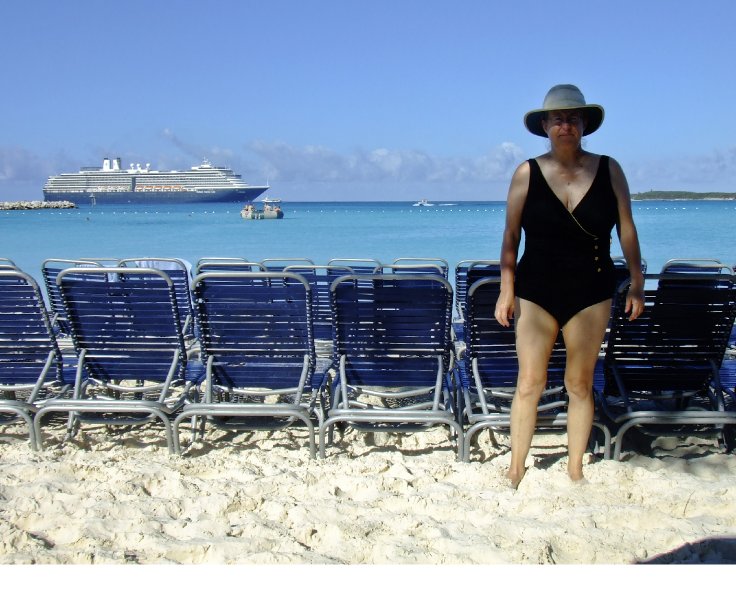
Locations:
(111, 184)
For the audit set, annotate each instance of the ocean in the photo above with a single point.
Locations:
(324, 230)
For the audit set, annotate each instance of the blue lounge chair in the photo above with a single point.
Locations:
(662, 370)
(412, 269)
(727, 373)
(621, 270)
(50, 269)
(468, 272)
(258, 347)
(441, 263)
(213, 264)
(727, 381)
(359, 266)
(126, 331)
(696, 265)
(393, 354)
(279, 264)
(178, 272)
(488, 373)
(31, 369)
(104, 261)
(320, 278)
(219, 259)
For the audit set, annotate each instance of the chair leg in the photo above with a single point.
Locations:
(28, 418)
(72, 426)
(729, 437)
(198, 425)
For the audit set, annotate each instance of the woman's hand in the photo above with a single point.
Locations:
(634, 302)
(504, 308)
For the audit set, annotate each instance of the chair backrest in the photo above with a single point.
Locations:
(412, 269)
(443, 265)
(6, 263)
(50, 269)
(104, 261)
(360, 266)
(391, 329)
(126, 320)
(693, 266)
(320, 278)
(220, 259)
(26, 336)
(492, 347)
(696, 265)
(467, 272)
(255, 328)
(679, 339)
(178, 271)
(213, 265)
(279, 264)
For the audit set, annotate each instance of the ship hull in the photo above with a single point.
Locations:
(257, 216)
(82, 198)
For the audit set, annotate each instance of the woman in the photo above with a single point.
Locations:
(567, 202)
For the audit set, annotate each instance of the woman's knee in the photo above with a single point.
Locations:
(531, 385)
(579, 386)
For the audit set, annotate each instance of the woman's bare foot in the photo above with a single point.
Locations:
(576, 474)
(514, 478)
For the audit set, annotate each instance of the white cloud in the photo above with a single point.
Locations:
(21, 165)
(712, 172)
(396, 172)
(197, 152)
(284, 162)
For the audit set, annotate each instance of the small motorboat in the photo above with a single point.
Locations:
(271, 210)
(423, 202)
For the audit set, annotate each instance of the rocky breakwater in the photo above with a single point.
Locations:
(34, 204)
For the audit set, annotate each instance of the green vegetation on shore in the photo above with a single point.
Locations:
(658, 195)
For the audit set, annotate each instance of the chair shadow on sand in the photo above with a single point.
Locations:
(712, 551)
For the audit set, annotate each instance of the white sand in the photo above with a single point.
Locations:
(257, 498)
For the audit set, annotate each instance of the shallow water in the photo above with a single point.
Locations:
(321, 231)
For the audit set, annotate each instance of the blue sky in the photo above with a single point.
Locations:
(373, 100)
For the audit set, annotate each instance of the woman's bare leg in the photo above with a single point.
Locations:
(583, 335)
(536, 331)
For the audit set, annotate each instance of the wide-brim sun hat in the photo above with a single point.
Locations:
(565, 97)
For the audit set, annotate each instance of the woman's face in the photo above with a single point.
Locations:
(564, 126)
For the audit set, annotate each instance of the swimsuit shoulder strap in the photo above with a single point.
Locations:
(535, 174)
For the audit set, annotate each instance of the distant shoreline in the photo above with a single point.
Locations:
(678, 195)
(638, 197)
(35, 204)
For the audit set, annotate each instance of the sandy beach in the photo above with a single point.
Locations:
(379, 499)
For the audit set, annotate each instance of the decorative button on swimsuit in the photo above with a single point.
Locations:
(566, 265)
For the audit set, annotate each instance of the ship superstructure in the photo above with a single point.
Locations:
(140, 184)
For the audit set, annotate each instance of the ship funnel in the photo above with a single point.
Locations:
(106, 164)
(116, 165)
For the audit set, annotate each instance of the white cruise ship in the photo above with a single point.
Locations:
(111, 184)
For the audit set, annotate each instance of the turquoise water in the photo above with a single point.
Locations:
(322, 231)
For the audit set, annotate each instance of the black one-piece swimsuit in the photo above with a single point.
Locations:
(566, 265)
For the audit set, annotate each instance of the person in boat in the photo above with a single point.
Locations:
(567, 202)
